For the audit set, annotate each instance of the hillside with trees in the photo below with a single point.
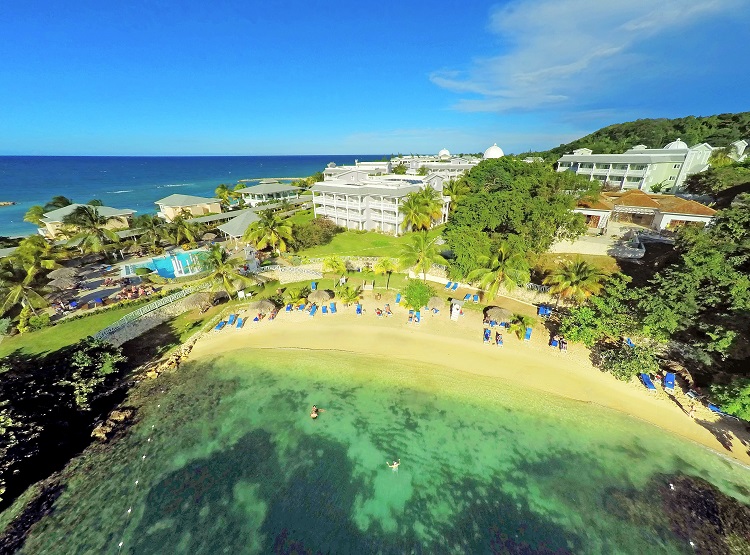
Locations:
(718, 131)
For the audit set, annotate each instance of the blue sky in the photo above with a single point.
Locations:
(324, 77)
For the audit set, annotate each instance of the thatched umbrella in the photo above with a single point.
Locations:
(63, 283)
(320, 296)
(263, 305)
(435, 302)
(57, 296)
(498, 314)
(209, 236)
(63, 273)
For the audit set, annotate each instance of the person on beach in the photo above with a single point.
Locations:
(691, 413)
(394, 466)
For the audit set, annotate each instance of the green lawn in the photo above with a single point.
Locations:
(61, 335)
(353, 243)
(301, 217)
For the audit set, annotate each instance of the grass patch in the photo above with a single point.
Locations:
(370, 243)
(63, 334)
(549, 261)
(301, 217)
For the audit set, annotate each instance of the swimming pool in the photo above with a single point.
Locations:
(175, 264)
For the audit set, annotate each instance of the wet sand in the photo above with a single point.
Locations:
(458, 346)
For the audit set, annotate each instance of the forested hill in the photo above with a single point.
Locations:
(718, 131)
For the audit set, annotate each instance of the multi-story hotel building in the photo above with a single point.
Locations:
(640, 167)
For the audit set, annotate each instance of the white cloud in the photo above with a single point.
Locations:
(560, 49)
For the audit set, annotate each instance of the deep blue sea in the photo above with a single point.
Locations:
(135, 181)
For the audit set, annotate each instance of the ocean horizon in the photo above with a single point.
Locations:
(135, 182)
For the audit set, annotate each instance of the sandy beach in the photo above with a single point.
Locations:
(458, 346)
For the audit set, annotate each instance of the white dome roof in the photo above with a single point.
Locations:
(639, 147)
(493, 152)
(677, 145)
(444, 152)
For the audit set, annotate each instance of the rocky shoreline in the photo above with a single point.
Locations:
(8, 203)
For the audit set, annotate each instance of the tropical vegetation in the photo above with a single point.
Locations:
(88, 230)
(576, 280)
(417, 294)
(508, 268)
(269, 231)
(420, 253)
(224, 271)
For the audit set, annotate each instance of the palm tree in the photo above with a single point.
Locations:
(519, 323)
(224, 270)
(182, 231)
(296, 295)
(576, 280)
(335, 265)
(35, 253)
(349, 294)
(18, 287)
(269, 231)
(34, 215)
(87, 229)
(58, 201)
(456, 189)
(421, 253)
(225, 194)
(509, 267)
(95, 202)
(152, 228)
(385, 266)
(415, 215)
(433, 203)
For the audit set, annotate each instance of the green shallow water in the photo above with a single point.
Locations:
(234, 464)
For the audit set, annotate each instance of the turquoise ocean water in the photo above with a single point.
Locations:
(225, 459)
(135, 182)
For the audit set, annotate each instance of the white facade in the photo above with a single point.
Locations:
(268, 190)
(640, 167)
(359, 201)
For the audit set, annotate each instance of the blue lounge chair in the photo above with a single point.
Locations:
(411, 317)
(435, 310)
(73, 304)
(455, 286)
(301, 307)
(629, 343)
(313, 286)
(289, 307)
(475, 298)
(646, 379)
(240, 323)
(398, 298)
(717, 410)
(99, 301)
(467, 297)
(527, 335)
(554, 343)
(669, 381)
(220, 326)
(448, 285)
(499, 341)
(493, 323)
(333, 308)
(256, 319)
(486, 335)
(359, 310)
(313, 310)
(232, 319)
(417, 317)
(324, 309)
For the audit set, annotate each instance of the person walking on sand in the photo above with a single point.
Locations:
(691, 413)
(394, 466)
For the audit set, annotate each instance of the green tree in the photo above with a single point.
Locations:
(417, 294)
(35, 253)
(296, 295)
(508, 267)
(416, 214)
(153, 230)
(225, 193)
(609, 316)
(58, 201)
(19, 287)
(519, 323)
(224, 271)
(420, 253)
(34, 215)
(457, 190)
(576, 280)
(95, 202)
(733, 398)
(385, 266)
(349, 294)
(335, 265)
(180, 231)
(625, 362)
(399, 169)
(432, 201)
(424, 170)
(88, 230)
(269, 231)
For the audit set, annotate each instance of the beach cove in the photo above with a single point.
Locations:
(513, 446)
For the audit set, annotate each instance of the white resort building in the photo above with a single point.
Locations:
(367, 196)
(268, 190)
(640, 167)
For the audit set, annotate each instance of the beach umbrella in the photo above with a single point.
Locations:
(63, 283)
(435, 302)
(319, 296)
(263, 305)
(498, 314)
(57, 296)
(63, 273)
(209, 236)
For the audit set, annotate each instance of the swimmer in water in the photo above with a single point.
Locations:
(314, 412)
(394, 466)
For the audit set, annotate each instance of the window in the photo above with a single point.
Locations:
(564, 164)
(600, 177)
(631, 179)
(672, 178)
(638, 167)
(619, 166)
(587, 166)
(677, 166)
(602, 166)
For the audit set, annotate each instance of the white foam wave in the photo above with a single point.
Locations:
(118, 192)
(174, 185)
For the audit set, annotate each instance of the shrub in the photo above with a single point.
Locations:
(319, 231)
(40, 321)
(417, 294)
(4, 326)
(626, 362)
(142, 271)
(734, 398)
